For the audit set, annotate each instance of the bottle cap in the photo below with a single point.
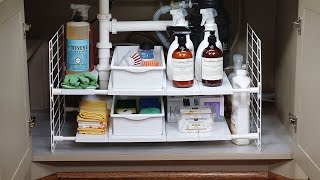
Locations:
(146, 46)
(237, 61)
(212, 38)
(208, 4)
(241, 72)
(77, 17)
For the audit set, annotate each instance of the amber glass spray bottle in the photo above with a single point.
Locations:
(212, 63)
(183, 64)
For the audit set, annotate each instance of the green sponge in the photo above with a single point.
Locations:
(150, 111)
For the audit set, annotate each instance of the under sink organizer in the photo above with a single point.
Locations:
(157, 128)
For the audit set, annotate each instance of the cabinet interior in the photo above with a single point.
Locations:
(271, 20)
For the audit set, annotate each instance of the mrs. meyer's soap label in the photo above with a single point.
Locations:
(78, 55)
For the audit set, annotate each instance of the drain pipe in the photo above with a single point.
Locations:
(104, 44)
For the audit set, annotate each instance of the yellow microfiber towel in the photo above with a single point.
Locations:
(102, 121)
(93, 111)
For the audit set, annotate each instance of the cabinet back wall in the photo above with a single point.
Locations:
(46, 17)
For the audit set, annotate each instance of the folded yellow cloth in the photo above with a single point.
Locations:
(93, 111)
(80, 119)
(91, 131)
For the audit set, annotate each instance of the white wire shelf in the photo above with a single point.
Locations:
(171, 133)
(87, 138)
(60, 91)
(168, 89)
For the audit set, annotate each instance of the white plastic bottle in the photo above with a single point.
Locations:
(208, 21)
(240, 123)
(237, 65)
(178, 20)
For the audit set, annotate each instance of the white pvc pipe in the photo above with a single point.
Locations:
(125, 26)
(104, 7)
(62, 138)
(245, 136)
(104, 44)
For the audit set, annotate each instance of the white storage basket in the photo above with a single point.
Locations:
(136, 124)
(129, 77)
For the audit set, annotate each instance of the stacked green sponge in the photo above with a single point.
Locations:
(80, 81)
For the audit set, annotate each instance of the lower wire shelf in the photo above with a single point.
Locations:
(171, 133)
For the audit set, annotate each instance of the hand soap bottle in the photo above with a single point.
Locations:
(212, 63)
(183, 64)
(208, 21)
(180, 25)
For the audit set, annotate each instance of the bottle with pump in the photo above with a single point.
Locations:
(212, 63)
(208, 21)
(81, 14)
(237, 65)
(183, 64)
(240, 123)
(179, 25)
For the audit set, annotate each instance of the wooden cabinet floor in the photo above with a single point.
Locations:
(168, 175)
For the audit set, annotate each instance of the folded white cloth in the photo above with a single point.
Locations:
(91, 125)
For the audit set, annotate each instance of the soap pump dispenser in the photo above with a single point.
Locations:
(208, 21)
(180, 26)
(237, 65)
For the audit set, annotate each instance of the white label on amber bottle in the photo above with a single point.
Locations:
(183, 69)
(212, 68)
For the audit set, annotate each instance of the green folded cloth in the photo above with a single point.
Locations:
(84, 80)
(90, 76)
(80, 81)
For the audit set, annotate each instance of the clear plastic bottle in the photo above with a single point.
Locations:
(77, 35)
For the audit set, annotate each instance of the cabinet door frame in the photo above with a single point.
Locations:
(14, 102)
(300, 154)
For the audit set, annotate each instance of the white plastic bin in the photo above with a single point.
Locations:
(129, 77)
(137, 124)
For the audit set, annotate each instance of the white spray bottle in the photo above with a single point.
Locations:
(178, 16)
(240, 118)
(209, 23)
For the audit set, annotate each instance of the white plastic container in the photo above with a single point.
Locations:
(240, 119)
(136, 124)
(129, 77)
(195, 119)
(209, 101)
